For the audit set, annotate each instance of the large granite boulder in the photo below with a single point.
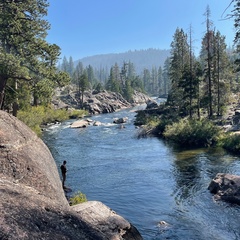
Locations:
(97, 102)
(32, 202)
(226, 187)
(80, 124)
(105, 102)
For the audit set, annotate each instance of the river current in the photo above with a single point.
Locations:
(146, 180)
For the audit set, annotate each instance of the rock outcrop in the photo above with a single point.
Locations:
(32, 202)
(96, 103)
(226, 187)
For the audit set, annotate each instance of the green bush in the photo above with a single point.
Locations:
(200, 133)
(34, 117)
(230, 142)
(77, 113)
(77, 198)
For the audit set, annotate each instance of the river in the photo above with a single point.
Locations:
(147, 180)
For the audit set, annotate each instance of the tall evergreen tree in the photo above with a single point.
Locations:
(113, 83)
(24, 53)
(221, 70)
(90, 75)
(179, 57)
(236, 17)
(166, 77)
(160, 81)
(70, 66)
(83, 85)
(207, 52)
(154, 81)
(147, 80)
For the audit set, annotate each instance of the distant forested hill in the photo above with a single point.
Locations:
(140, 58)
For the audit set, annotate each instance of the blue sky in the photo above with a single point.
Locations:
(88, 27)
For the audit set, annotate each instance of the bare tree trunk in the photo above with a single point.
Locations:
(218, 77)
(82, 100)
(209, 63)
(3, 82)
(15, 104)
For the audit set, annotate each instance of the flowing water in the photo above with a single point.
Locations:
(147, 181)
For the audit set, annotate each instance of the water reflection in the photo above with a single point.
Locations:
(187, 172)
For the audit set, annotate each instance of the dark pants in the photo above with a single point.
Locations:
(63, 179)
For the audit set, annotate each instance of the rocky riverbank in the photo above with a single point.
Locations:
(32, 202)
(96, 103)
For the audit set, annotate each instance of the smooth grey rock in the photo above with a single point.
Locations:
(79, 124)
(32, 202)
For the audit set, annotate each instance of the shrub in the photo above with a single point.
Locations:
(199, 133)
(141, 118)
(77, 198)
(77, 113)
(230, 142)
(34, 117)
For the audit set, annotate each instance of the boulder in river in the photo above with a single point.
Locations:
(32, 202)
(226, 187)
(97, 123)
(120, 120)
(151, 104)
(80, 124)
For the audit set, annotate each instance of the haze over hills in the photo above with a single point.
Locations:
(140, 58)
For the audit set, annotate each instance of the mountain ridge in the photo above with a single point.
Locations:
(145, 58)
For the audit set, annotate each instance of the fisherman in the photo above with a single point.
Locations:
(64, 173)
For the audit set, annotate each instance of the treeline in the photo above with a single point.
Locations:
(119, 78)
(193, 85)
(29, 73)
(200, 89)
(205, 83)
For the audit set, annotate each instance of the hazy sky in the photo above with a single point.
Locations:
(88, 27)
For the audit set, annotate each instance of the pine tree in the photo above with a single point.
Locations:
(113, 83)
(83, 85)
(236, 16)
(24, 53)
(90, 75)
(215, 62)
(160, 81)
(166, 77)
(147, 80)
(71, 66)
(65, 65)
(207, 53)
(179, 56)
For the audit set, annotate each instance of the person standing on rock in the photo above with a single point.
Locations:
(64, 173)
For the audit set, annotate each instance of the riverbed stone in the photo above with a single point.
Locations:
(32, 202)
(120, 120)
(226, 187)
(97, 123)
(80, 124)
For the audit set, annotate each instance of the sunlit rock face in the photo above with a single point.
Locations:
(32, 202)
